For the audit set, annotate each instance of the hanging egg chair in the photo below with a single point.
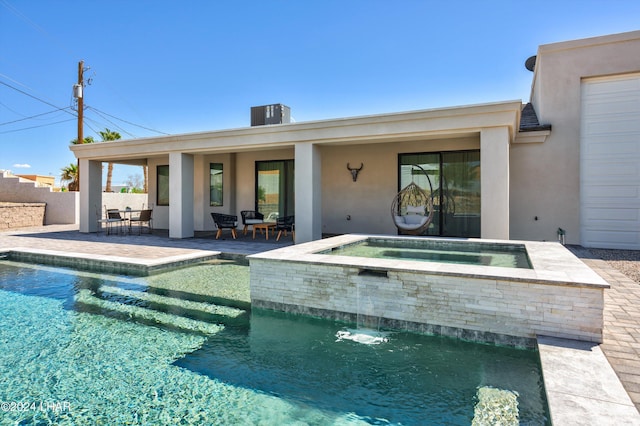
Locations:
(412, 208)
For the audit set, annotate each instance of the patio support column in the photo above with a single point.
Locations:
(308, 192)
(181, 182)
(494, 182)
(90, 194)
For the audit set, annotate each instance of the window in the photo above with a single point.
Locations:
(454, 179)
(275, 188)
(162, 196)
(215, 184)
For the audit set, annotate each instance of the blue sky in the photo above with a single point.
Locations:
(189, 66)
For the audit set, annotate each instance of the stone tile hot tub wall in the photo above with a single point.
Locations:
(559, 297)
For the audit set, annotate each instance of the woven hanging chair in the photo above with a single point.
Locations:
(412, 208)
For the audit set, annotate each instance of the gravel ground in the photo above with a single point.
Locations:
(625, 261)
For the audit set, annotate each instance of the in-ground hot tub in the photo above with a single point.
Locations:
(553, 294)
(465, 252)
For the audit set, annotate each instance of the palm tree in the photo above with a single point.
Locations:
(70, 174)
(88, 139)
(74, 185)
(109, 135)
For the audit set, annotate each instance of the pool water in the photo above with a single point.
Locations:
(183, 347)
(431, 250)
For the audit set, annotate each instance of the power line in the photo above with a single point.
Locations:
(114, 124)
(12, 9)
(125, 121)
(66, 109)
(36, 98)
(94, 122)
(35, 127)
(33, 116)
(12, 110)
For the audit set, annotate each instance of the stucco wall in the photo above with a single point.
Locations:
(202, 207)
(160, 213)
(545, 177)
(62, 207)
(368, 200)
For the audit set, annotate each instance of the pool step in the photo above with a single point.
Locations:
(194, 297)
(149, 316)
(208, 308)
(197, 310)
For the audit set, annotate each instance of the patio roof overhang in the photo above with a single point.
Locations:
(402, 126)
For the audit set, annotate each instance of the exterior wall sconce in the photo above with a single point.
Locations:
(354, 172)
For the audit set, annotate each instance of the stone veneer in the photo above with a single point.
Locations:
(21, 215)
(559, 297)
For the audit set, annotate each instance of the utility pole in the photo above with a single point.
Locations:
(78, 93)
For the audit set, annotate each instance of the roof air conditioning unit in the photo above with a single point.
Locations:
(270, 114)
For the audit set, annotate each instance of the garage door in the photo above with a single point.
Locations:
(610, 162)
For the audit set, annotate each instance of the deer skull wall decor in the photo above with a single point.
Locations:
(354, 172)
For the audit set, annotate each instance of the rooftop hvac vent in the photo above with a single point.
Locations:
(270, 114)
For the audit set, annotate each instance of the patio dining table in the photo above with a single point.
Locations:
(127, 212)
(126, 217)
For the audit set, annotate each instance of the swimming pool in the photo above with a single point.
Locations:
(184, 347)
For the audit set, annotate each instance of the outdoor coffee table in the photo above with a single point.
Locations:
(264, 226)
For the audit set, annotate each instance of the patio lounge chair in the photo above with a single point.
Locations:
(286, 224)
(250, 217)
(144, 218)
(225, 221)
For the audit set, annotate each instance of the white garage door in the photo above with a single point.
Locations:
(610, 162)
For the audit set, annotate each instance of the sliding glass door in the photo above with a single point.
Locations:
(424, 170)
(275, 188)
(453, 178)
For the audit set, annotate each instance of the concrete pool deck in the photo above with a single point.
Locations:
(583, 382)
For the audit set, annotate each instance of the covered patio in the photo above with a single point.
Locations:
(325, 197)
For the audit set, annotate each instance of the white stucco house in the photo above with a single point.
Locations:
(568, 159)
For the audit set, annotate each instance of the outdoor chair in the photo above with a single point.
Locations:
(103, 222)
(412, 208)
(144, 218)
(114, 218)
(249, 218)
(286, 224)
(225, 221)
